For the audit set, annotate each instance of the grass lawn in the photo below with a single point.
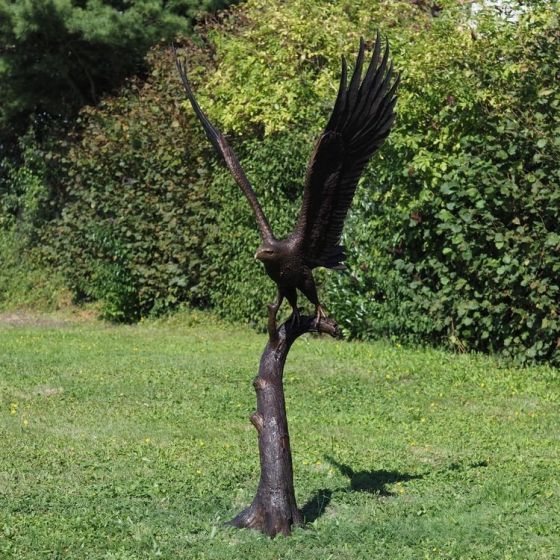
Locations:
(134, 442)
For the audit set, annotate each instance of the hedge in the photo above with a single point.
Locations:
(453, 236)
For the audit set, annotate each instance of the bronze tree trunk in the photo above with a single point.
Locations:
(274, 509)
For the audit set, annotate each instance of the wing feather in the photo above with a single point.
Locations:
(361, 119)
(222, 147)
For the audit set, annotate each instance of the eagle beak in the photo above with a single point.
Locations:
(257, 255)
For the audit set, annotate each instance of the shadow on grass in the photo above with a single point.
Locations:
(316, 505)
(372, 482)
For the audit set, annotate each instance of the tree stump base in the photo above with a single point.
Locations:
(274, 509)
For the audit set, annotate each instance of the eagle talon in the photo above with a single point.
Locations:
(320, 314)
(295, 318)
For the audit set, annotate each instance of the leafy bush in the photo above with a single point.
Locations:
(24, 281)
(56, 56)
(472, 205)
(24, 193)
(452, 237)
(135, 214)
(25, 205)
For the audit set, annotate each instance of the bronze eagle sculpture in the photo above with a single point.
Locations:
(361, 119)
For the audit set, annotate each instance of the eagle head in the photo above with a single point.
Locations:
(266, 252)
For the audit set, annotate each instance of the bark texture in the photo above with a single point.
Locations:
(274, 509)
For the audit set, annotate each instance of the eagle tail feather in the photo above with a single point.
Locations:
(335, 258)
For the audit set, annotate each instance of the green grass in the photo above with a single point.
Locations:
(134, 442)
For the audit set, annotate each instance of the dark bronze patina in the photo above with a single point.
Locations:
(360, 121)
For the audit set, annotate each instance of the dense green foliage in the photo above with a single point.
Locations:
(25, 283)
(25, 206)
(462, 241)
(55, 57)
(453, 235)
(58, 55)
(131, 232)
(134, 443)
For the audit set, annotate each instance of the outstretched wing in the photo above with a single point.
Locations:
(221, 145)
(360, 121)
